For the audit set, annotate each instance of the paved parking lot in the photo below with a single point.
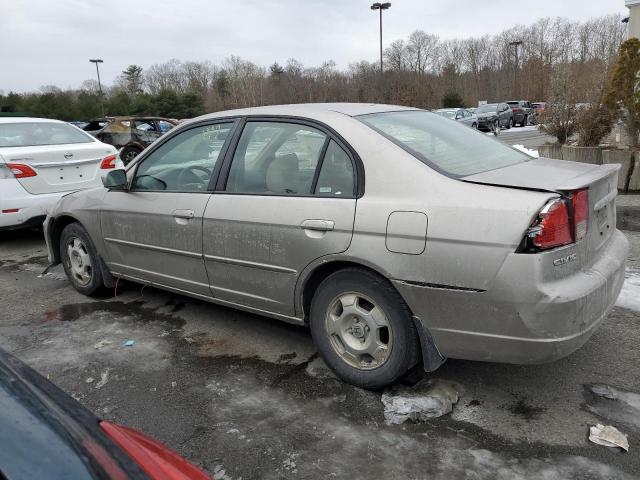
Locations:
(246, 397)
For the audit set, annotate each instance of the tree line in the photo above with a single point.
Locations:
(420, 71)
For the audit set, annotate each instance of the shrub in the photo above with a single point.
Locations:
(622, 96)
(593, 123)
(452, 100)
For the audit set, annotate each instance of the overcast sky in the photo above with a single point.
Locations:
(49, 42)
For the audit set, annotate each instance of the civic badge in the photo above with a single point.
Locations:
(564, 260)
(68, 155)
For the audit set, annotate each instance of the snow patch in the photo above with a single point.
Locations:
(523, 149)
(427, 399)
(630, 293)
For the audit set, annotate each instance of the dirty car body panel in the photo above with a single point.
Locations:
(445, 232)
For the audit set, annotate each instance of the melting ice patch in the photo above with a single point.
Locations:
(630, 293)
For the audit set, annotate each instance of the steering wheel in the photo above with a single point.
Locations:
(191, 169)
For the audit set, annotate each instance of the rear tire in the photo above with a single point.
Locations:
(510, 123)
(128, 154)
(363, 329)
(80, 260)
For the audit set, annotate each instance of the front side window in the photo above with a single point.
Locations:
(276, 158)
(451, 148)
(185, 162)
(28, 134)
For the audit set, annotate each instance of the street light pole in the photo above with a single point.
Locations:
(380, 7)
(517, 44)
(97, 61)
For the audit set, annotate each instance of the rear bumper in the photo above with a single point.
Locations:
(526, 317)
(31, 209)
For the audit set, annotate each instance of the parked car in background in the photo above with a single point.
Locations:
(40, 161)
(459, 247)
(461, 115)
(523, 112)
(94, 126)
(493, 116)
(130, 135)
(539, 108)
(47, 434)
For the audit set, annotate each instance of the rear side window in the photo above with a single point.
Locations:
(30, 134)
(336, 177)
(451, 148)
(276, 158)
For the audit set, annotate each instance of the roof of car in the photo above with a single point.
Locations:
(27, 120)
(310, 110)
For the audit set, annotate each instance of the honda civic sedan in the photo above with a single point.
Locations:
(396, 235)
(41, 160)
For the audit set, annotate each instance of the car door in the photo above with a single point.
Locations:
(153, 231)
(287, 198)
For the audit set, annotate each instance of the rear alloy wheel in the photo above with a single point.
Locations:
(80, 260)
(363, 329)
(510, 124)
(128, 154)
(474, 126)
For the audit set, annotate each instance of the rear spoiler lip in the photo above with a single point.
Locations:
(598, 172)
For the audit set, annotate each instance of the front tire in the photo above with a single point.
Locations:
(363, 329)
(80, 260)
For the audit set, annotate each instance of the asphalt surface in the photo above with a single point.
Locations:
(246, 397)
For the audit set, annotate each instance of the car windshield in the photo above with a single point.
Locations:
(451, 148)
(447, 113)
(492, 107)
(27, 134)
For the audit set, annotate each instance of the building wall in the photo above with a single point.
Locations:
(634, 21)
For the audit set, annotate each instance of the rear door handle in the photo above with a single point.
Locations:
(318, 225)
(186, 214)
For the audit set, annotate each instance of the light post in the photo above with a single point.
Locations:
(380, 7)
(97, 61)
(517, 44)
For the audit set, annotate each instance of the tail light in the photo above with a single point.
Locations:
(155, 459)
(108, 162)
(21, 170)
(580, 202)
(561, 222)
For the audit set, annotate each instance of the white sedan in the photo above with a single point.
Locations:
(40, 161)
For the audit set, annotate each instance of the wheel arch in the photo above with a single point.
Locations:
(314, 274)
(54, 232)
(56, 225)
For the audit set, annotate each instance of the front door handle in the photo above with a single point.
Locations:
(318, 225)
(186, 214)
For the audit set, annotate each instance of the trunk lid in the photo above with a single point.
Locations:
(545, 174)
(59, 168)
(563, 177)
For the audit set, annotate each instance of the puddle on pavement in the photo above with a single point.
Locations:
(75, 311)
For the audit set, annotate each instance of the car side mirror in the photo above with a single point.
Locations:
(116, 180)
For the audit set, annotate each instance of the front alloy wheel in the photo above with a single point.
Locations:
(359, 331)
(79, 261)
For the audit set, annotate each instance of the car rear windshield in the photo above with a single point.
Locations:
(28, 134)
(449, 147)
